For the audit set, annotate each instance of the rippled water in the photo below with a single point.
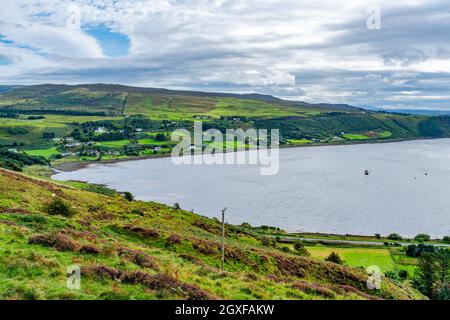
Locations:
(320, 189)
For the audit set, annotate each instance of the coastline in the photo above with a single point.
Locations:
(307, 235)
(77, 165)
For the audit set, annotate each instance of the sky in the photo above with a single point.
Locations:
(385, 54)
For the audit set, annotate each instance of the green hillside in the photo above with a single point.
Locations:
(138, 250)
(57, 122)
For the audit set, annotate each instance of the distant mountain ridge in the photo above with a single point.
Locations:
(32, 91)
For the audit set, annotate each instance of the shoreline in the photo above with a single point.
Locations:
(77, 165)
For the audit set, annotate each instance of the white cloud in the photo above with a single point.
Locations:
(303, 49)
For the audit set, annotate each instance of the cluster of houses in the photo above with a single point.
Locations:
(71, 143)
(101, 130)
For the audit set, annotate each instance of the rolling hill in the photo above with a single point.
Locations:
(138, 250)
(121, 100)
(31, 116)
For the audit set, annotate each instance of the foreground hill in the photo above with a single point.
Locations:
(138, 250)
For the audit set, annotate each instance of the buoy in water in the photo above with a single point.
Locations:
(366, 172)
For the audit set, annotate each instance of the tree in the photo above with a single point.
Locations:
(425, 276)
(128, 196)
(442, 258)
(300, 249)
(48, 135)
(394, 236)
(267, 242)
(422, 237)
(417, 250)
(334, 257)
(403, 274)
(443, 292)
(446, 239)
(177, 206)
(76, 134)
(161, 137)
(59, 207)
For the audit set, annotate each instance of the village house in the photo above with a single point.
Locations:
(73, 144)
(100, 130)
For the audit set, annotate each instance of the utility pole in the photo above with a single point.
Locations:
(223, 238)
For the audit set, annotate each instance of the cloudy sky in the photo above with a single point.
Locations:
(315, 51)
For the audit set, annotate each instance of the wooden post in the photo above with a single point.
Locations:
(223, 239)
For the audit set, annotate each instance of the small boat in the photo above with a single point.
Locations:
(366, 172)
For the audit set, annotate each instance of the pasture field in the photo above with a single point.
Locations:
(153, 141)
(114, 144)
(177, 108)
(385, 135)
(236, 145)
(65, 119)
(299, 141)
(41, 123)
(357, 257)
(355, 136)
(186, 108)
(46, 153)
(257, 109)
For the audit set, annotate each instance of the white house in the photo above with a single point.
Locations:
(73, 144)
(100, 130)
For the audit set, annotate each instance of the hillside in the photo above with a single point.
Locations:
(138, 250)
(63, 123)
(119, 100)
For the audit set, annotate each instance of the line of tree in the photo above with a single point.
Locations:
(432, 276)
(16, 161)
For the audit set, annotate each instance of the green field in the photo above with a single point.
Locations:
(358, 257)
(299, 141)
(64, 119)
(355, 136)
(151, 139)
(236, 145)
(250, 108)
(46, 153)
(385, 135)
(114, 144)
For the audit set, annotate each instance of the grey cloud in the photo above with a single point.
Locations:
(306, 50)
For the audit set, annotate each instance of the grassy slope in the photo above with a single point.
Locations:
(156, 252)
(46, 153)
(296, 120)
(356, 257)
